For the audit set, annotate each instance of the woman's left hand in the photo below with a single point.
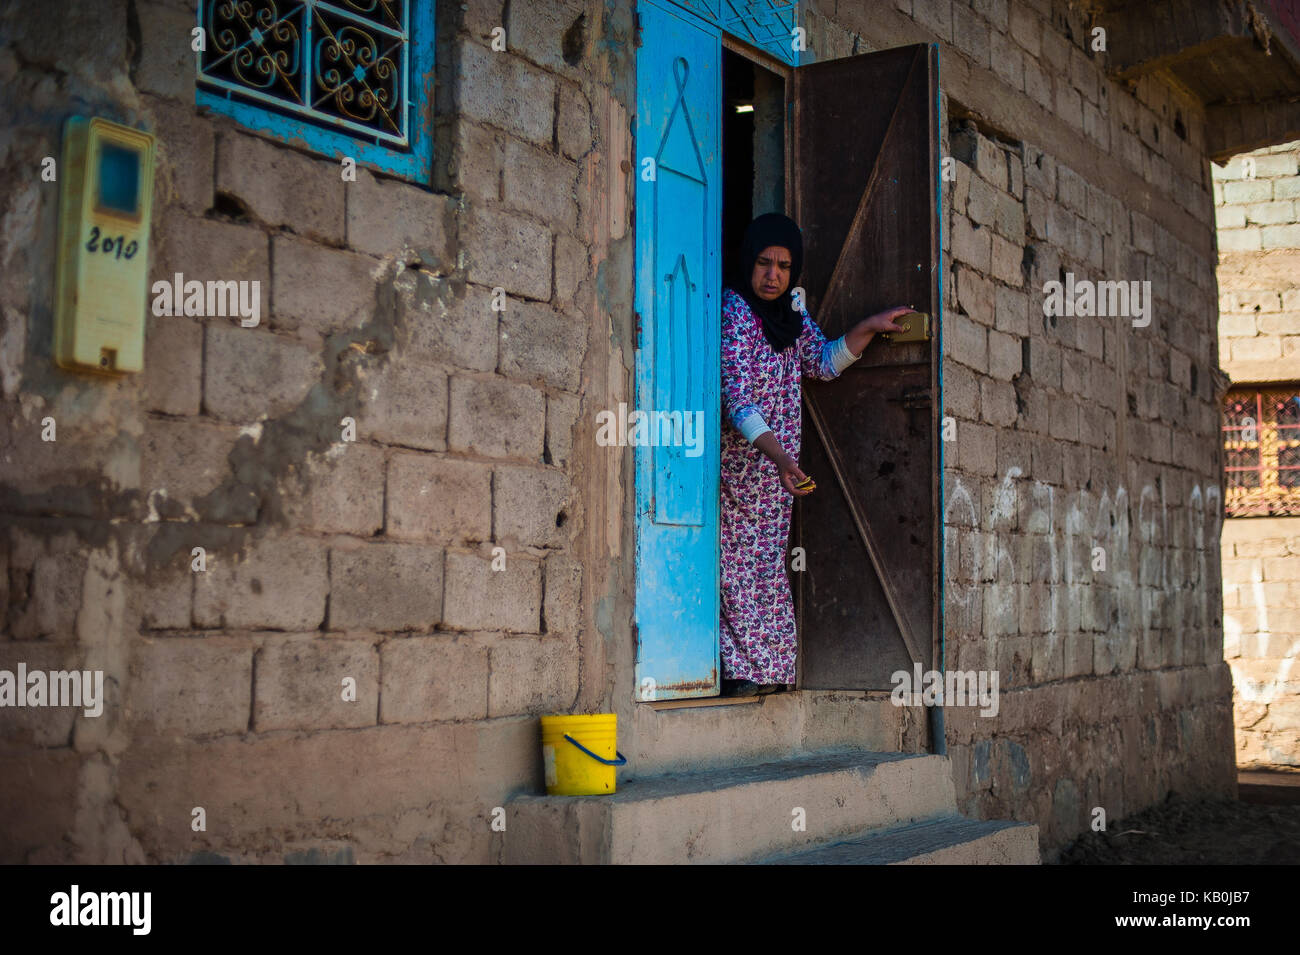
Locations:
(884, 321)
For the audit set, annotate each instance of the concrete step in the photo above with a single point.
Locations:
(947, 840)
(775, 727)
(734, 814)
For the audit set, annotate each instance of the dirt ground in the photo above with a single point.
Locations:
(1262, 827)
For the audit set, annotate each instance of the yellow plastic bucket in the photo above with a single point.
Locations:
(579, 754)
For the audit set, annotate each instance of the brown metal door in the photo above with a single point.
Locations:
(864, 188)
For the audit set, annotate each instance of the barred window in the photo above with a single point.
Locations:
(345, 78)
(1261, 440)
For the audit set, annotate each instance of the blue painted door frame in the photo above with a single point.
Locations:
(678, 360)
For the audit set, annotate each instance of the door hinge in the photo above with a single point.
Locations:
(637, 315)
(636, 32)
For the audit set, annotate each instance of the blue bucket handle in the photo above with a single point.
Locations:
(608, 762)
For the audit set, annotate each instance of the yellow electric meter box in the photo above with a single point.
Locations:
(101, 279)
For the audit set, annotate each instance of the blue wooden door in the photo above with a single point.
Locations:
(678, 362)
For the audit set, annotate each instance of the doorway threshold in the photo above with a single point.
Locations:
(705, 701)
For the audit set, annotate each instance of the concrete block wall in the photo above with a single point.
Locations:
(1072, 433)
(1261, 639)
(1257, 214)
(373, 559)
(378, 620)
(1257, 210)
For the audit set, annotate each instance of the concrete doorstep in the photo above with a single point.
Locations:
(832, 807)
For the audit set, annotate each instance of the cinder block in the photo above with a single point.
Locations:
(966, 341)
(47, 608)
(507, 251)
(1096, 126)
(1247, 191)
(496, 417)
(994, 11)
(480, 598)
(563, 605)
(164, 599)
(961, 391)
(47, 725)
(1280, 237)
(477, 161)
(977, 448)
(387, 217)
(280, 584)
(935, 17)
(970, 244)
(1064, 418)
(431, 497)
(970, 34)
(1038, 83)
(1026, 29)
(405, 404)
(166, 62)
(1009, 217)
(572, 267)
(531, 506)
(451, 323)
(998, 403)
(561, 415)
(302, 682)
(325, 289)
(1240, 240)
(250, 375)
(182, 461)
(1006, 259)
(1004, 355)
(339, 492)
(981, 201)
(501, 90)
(385, 587)
(192, 686)
(426, 679)
(1069, 104)
(173, 365)
(533, 675)
(282, 187)
(537, 342)
(211, 250)
(1011, 310)
(541, 183)
(1083, 74)
(545, 29)
(573, 124)
(975, 295)
(186, 154)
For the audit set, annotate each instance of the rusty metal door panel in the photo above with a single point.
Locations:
(865, 189)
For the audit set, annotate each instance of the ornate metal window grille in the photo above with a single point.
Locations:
(1261, 440)
(767, 24)
(342, 65)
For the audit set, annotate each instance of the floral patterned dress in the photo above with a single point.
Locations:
(758, 628)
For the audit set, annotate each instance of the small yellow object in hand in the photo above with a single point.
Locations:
(807, 484)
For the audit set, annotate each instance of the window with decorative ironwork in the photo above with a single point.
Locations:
(1261, 438)
(344, 78)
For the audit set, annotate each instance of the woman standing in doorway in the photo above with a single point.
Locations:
(768, 345)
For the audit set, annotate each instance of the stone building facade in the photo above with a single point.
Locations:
(1257, 198)
(468, 560)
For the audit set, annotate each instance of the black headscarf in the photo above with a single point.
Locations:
(781, 323)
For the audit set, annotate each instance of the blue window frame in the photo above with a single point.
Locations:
(342, 78)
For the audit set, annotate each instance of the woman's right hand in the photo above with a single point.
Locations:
(787, 467)
(791, 475)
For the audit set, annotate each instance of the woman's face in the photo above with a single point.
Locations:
(771, 273)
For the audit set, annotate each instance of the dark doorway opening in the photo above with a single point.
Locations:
(753, 150)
